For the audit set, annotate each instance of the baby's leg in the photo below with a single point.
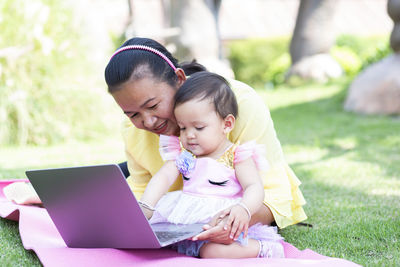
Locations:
(234, 250)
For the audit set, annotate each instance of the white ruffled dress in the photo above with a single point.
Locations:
(209, 186)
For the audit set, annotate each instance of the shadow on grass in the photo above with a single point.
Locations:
(349, 223)
(323, 123)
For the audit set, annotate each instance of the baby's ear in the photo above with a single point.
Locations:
(229, 123)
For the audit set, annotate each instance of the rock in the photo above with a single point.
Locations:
(320, 67)
(377, 89)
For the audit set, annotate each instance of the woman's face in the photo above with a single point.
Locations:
(149, 104)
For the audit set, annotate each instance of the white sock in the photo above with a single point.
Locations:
(270, 249)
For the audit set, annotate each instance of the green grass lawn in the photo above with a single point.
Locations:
(13, 163)
(349, 165)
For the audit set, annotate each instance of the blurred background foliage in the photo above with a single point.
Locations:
(263, 63)
(48, 88)
(54, 104)
(51, 92)
(260, 61)
(355, 53)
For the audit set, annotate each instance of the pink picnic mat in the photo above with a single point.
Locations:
(38, 233)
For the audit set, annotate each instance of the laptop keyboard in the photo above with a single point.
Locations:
(166, 236)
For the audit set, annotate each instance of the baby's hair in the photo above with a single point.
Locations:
(206, 85)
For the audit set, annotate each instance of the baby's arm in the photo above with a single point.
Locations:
(158, 186)
(252, 200)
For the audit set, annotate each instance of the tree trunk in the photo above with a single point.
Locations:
(199, 36)
(394, 13)
(312, 39)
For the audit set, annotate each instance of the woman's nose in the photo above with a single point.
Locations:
(149, 121)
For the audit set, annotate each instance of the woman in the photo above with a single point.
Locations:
(143, 77)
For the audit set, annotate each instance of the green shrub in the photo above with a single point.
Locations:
(347, 58)
(260, 61)
(47, 90)
(264, 62)
(355, 53)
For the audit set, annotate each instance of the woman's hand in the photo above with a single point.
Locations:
(218, 232)
(215, 230)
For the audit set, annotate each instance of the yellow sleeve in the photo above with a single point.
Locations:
(138, 175)
(138, 178)
(143, 156)
(254, 122)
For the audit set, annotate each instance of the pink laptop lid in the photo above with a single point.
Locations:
(93, 207)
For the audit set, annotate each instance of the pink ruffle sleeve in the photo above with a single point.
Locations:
(170, 147)
(253, 150)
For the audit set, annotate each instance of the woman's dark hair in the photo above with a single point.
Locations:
(137, 64)
(207, 85)
(192, 67)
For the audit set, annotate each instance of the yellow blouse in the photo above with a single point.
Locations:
(282, 193)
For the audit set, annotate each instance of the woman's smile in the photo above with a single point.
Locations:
(161, 128)
(148, 104)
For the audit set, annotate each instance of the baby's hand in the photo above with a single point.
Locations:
(238, 221)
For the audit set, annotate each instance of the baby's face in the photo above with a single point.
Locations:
(202, 130)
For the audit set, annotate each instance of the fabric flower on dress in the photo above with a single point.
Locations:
(185, 163)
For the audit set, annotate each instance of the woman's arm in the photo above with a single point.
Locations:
(158, 186)
(215, 232)
(263, 215)
(282, 194)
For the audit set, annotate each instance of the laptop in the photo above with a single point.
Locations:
(93, 207)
